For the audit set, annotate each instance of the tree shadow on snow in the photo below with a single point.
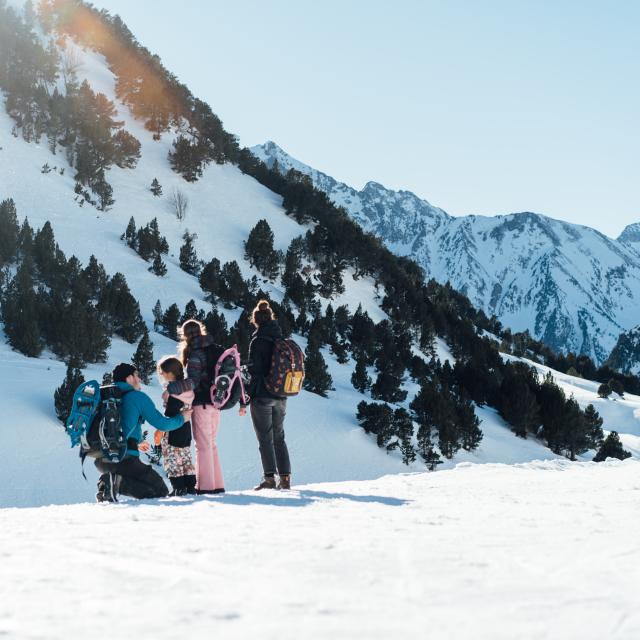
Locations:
(296, 498)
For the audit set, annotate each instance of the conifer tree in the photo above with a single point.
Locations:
(191, 312)
(170, 321)
(156, 187)
(210, 279)
(186, 159)
(551, 400)
(158, 314)
(259, 251)
(293, 262)
(158, 267)
(188, 258)
(518, 404)
(104, 191)
(403, 429)
(468, 425)
(158, 242)
(360, 379)
(616, 387)
(339, 350)
(295, 290)
(107, 379)
(120, 309)
(240, 333)
(63, 395)
(95, 278)
(233, 288)
(130, 235)
(217, 327)
(387, 386)
(376, 418)
(317, 377)
(20, 312)
(44, 251)
(143, 359)
(25, 239)
(9, 230)
(425, 446)
(593, 427)
(604, 390)
(611, 448)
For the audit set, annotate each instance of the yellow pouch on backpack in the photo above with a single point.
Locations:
(293, 382)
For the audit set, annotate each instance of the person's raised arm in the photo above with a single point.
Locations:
(151, 415)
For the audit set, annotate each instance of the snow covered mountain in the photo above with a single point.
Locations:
(569, 285)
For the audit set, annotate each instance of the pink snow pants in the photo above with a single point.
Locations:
(205, 422)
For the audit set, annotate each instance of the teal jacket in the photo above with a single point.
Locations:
(137, 407)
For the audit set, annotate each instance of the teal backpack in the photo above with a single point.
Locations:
(95, 422)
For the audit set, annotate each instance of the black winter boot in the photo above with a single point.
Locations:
(179, 486)
(108, 487)
(285, 482)
(190, 484)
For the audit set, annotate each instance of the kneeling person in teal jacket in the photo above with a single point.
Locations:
(131, 477)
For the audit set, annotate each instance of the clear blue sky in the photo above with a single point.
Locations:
(481, 106)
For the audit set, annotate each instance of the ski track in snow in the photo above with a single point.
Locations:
(532, 551)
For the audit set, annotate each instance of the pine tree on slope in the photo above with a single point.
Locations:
(143, 359)
(63, 395)
(611, 448)
(188, 258)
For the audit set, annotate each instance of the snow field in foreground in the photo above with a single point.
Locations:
(540, 550)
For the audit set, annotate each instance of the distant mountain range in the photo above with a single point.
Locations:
(571, 286)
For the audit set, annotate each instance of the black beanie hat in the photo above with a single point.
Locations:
(123, 371)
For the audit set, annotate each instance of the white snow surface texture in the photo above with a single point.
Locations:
(569, 285)
(481, 552)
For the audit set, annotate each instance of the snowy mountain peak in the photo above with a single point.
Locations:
(569, 285)
(630, 234)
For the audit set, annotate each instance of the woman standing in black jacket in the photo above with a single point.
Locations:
(267, 411)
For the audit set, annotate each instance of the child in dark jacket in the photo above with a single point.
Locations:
(176, 445)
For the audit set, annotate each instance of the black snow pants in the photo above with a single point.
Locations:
(139, 480)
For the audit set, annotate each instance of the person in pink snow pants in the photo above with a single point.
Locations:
(199, 354)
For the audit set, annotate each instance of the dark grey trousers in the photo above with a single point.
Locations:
(268, 421)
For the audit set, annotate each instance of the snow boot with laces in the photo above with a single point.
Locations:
(285, 482)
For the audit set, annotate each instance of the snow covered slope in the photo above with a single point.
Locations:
(569, 285)
(493, 552)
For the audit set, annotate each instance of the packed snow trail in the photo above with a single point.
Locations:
(540, 550)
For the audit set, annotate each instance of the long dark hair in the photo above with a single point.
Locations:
(262, 313)
(171, 364)
(188, 331)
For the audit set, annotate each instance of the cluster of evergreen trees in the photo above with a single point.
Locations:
(523, 344)
(543, 410)
(148, 244)
(152, 93)
(77, 119)
(49, 301)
